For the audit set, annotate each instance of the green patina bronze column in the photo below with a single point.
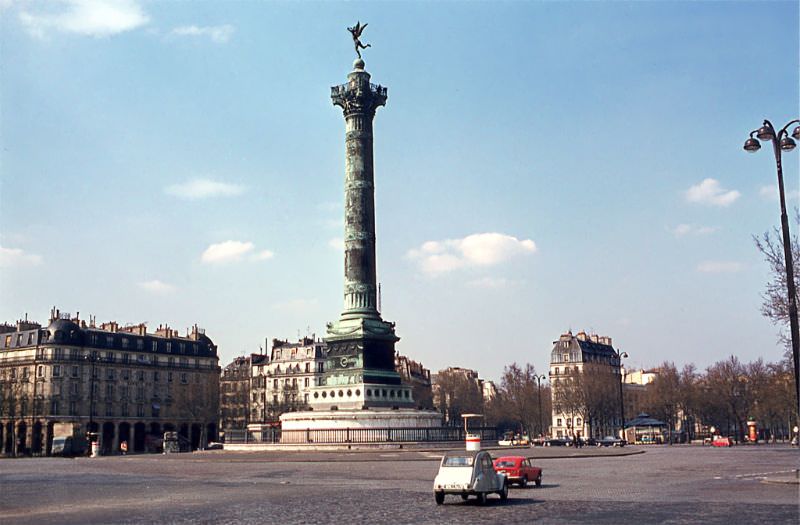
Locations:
(360, 345)
(359, 99)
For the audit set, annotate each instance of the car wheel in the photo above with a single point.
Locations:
(539, 481)
(439, 497)
(481, 498)
(504, 493)
(464, 496)
(523, 482)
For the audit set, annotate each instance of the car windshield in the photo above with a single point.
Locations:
(506, 463)
(458, 461)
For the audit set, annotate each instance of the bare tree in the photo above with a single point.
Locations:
(457, 394)
(775, 301)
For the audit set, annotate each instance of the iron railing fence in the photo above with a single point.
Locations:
(346, 436)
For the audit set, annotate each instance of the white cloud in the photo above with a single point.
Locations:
(489, 283)
(710, 192)
(682, 230)
(96, 18)
(770, 193)
(233, 251)
(263, 255)
(196, 189)
(157, 287)
(17, 257)
(219, 34)
(720, 267)
(476, 250)
(337, 243)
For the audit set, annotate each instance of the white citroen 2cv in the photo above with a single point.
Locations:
(468, 473)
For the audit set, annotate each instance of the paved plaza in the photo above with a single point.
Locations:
(680, 484)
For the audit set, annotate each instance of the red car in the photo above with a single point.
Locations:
(721, 441)
(518, 470)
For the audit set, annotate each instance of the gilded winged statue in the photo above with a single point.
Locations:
(356, 31)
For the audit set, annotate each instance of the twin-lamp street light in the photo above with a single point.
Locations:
(781, 141)
(539, 379)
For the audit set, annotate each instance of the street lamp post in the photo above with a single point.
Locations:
(539, 379)
(620, 356)
(92, 358)
(781, 141)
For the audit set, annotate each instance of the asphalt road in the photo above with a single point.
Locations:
(680, 484)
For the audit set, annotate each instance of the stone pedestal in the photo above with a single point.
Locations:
(385, 425)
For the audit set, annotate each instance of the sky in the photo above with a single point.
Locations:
(539, 167)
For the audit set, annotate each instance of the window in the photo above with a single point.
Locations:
(54, 407)
(154, 346)
(94, 370)
(110, 355)
(56, 370)
(110, 374)
(73, 408)
(74, 388)
(156, 410)
(274, 383)
(109, 410)
(139, 393)
(194, 349)
(169, 377)
(184, 380)
(74, 353)
(30, 338)
(125, 342)
(171, 361)
(566, 358)
(40, 371)
(578, 422)
(169, 348)
(8, 341)
(123, 392)
(183, 348)
(155, 377)
(109, 392)
(558, 422)
(308, 367)
(154, 360)
(126, 358)
(320, 367)
(124, 410)
(110, 341)
(557, 371)
(126, 374)
(58, 353)
(140, 375)
(140, 344)
(184, 362)
(305, 383)
(139, 410)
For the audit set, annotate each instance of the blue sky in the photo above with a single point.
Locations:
(540, 166)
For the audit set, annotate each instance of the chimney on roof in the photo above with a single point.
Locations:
(594, 338)
(581, 336)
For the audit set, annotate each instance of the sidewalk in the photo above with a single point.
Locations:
(786, 478)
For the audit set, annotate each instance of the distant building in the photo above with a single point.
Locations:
(282, 381)
(121, 382)
(234, 394)
(585, 382)
(414, 374)
(458, 391)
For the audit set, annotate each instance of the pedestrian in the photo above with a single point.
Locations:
(124, 448)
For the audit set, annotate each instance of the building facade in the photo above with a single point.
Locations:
(585, 380)
(234, 394)
(124, 385)
(412, 373)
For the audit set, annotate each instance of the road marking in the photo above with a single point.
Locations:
(760, 474)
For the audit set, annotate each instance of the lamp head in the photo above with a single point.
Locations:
(765, 133)
(796, 133)
(751, 145)
(787, 144)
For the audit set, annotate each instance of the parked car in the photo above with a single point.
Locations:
(467, 473)
(589, 442)
(612, 441)
(558, 442)
(720, 441)
(518, 470)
